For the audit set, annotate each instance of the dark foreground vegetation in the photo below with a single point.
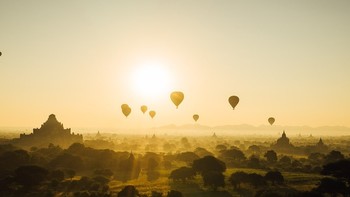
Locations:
(171, 167)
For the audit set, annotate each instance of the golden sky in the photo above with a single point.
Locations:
(82, 59)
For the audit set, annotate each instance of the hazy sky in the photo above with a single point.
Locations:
(79, 60)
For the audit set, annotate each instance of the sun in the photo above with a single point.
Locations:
(151, 80)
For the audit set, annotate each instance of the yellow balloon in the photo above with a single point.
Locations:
(195, 117)
(177, 98)
(152, 114)
(126, 111)
(124, 106)
(233, 100)
(143, 108)
(271, 120)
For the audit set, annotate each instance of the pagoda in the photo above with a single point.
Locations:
(283, 143)
(51, 131)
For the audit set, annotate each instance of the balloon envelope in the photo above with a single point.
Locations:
(233, 100)
(271, 120)
(143, 108)
(177, 98)
(126, 111)
(152, 114)
(195, 117)
(124, 106)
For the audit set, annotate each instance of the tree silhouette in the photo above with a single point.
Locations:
(12, 159)
(104, 172)
(31, 175)
(316, 158)
(67, 160)
(254, 149)
(220, 147)
(339, 169)
(187, 157)
(333, 156)
(70, 173)
(202, 152)
(129, 191)
(152, 164)
(275, 177)
(174, 193)
(237, 178)
(256, 180)
(57, 175)
(285, 160)
(183, 173)
(253, 162)
(213, 179)
(209, 163)
(233, 154)
(271, 156)
(332, 186)
(156, 194)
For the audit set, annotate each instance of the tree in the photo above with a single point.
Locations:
(253, 162)
(104, 172)
(254, 149)
(70, 173)
(12, 159)
(57, 175)
(214, 179)
(130, 168)
(187, 157)
(332, 186)
(174, 193)
(220, 147)
(152, 164)
(209, 163)
(67, 160)
(183, 173)
(233, 154)
(202, 152)
(185, 143)
(156, 194)
(101, 179)
(237, 178)
(316, 158)
(129, 191)
(31, 175)
(152, 175)
(333, 156)
(256, 180)
(271, 156)
(76, 148)
(339, 169)
(285, 160)
(275, 177)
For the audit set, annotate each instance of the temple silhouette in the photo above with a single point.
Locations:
(319, 147)
(283, 143)
(50, 132)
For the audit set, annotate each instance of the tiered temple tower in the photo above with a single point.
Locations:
(283, 142)
(50, 131)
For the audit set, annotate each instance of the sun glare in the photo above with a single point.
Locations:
(151, 80)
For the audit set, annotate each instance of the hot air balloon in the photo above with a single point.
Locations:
(233, 100)
(126, 111)
(271, 120)
(177, 98)
(152, 114)
(124, 106)
(143, 108)
(0, 53)
(195, 117)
